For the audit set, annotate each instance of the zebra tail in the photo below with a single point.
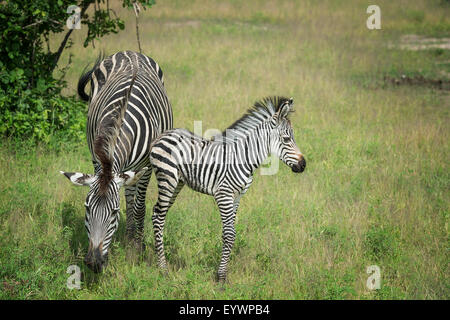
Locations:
(86, 76)
(84, 79)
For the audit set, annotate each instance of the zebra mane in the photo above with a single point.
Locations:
(261, 111)
(106, 138)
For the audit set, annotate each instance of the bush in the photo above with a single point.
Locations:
(31, 105)
(40, 112)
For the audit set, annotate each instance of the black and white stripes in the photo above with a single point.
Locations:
(128, 108)
(222, 167)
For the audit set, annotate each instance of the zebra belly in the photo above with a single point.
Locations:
(200, 178)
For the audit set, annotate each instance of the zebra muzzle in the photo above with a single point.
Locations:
(95, 260)
(299, 166)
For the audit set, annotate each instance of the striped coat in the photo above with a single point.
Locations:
(222, 168)
(128, 109)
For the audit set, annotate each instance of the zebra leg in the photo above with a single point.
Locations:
(167, 194)
(227, 207)
(130, 192)
(139, 208)
(236, 204)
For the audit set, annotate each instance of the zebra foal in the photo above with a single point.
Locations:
(222, 167)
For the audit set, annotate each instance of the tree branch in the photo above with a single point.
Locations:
(64, 42)
(137, 10)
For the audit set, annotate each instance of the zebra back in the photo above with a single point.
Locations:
(147, 112)
(103, 68)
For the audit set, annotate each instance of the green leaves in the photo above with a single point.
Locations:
(30, 101)
(25, 27)
(41, 85)
(40, 113)
(144, 3)
(105, 21)
(101, 25)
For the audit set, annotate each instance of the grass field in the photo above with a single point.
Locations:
(376, 186)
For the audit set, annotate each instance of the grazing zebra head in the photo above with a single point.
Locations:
(102, 209)
(102, 201)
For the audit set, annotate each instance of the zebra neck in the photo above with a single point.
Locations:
(120, 158)
(254, 148)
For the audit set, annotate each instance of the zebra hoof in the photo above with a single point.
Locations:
(130, 239)
(222, 278)
(164, 271)
(139, 246)
(131, 233)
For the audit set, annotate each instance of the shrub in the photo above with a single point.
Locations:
(31, 105)
(40, 112)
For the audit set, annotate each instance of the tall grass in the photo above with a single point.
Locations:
(375, 190)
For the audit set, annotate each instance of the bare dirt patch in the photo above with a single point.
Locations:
(440, 84)
(415, 42)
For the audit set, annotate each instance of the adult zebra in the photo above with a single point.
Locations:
(222, 168)
(128, 108)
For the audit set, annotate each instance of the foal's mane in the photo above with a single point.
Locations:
(261, 111)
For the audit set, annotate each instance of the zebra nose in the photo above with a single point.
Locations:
(95, 260)
(300, 165)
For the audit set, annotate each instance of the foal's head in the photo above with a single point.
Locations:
(282, 142)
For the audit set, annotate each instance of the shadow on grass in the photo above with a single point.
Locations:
(75, 232)
(73, 229)
(73, 224)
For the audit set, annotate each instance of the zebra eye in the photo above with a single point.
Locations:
(286, 139)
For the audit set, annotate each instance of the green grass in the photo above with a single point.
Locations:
(375, 190)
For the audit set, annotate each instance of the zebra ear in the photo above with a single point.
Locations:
(284, 110)
(79, 179)
(130, 178)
